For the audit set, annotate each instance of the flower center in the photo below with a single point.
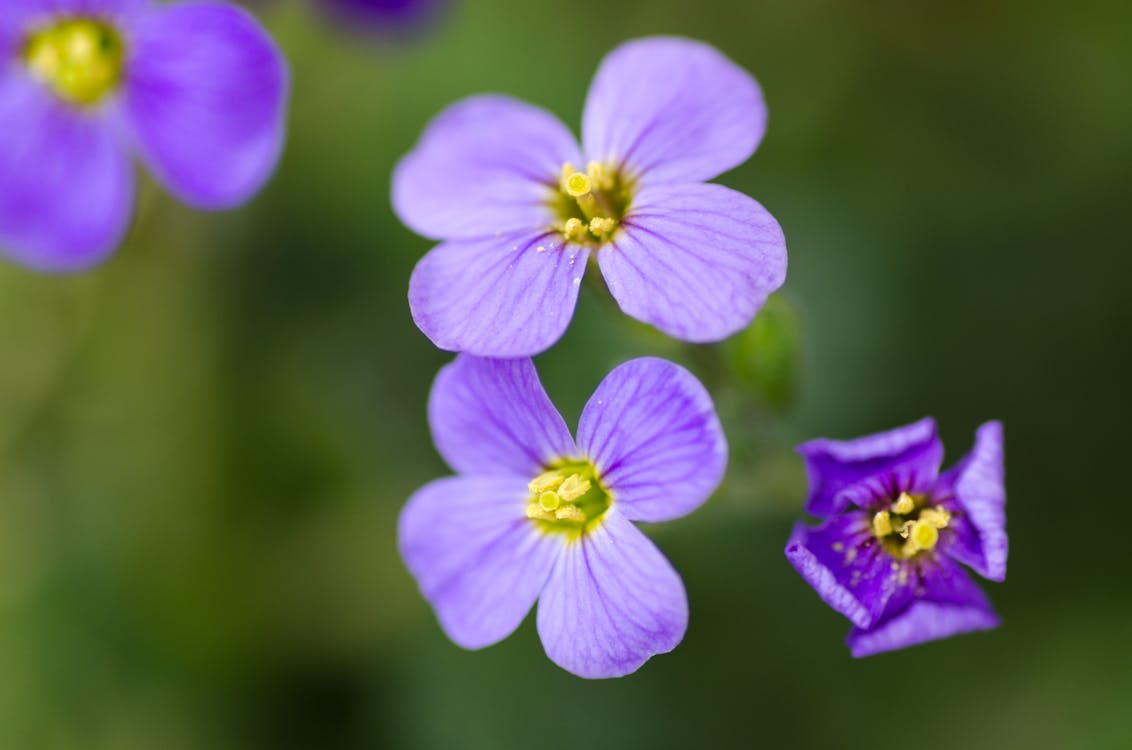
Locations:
(567, 498)
(80, 59)
(590, 204)
(909, 526)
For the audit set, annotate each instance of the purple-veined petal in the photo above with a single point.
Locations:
(696, 261)
(492, 416)
(476, 557)
(651, 431)
(871, 471)
(506, 296)
(845, 565)
(205, 101)
(975, 486)
(612, 602)
(485, 165)
(672, 110)
(946, 603)
(66, 186)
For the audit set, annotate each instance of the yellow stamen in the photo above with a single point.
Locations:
(573, 488)
(602, 225)
(882, 524)
(923, 535)
(937, 518)
(80, 59)
(574, 230)
(570, 513)
(536, 513)
(904, 504)
(548, 480)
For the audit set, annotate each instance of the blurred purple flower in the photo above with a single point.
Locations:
(495, 180)
(383, 15)
(896, 529)
(196, 90)
(533, 515)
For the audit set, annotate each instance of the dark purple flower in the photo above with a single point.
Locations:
(896, 530)
(196, 90)
(520, 208)
(533, 515)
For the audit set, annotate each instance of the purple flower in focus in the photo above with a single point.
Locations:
(533, 515)
(896, 530)
(196, 90)
(520, 208)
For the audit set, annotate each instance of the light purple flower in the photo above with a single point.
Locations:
(196, 90)
(896, 530)
(532, 514)
(520, 208)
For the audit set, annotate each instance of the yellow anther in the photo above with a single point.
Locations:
(936, 517)
(904, 504)
(573, 488)
(536, 513)
(600, 177)
(882, 524)
(80, 59)
(549, 500)
(574, 229)
(548, 480)
(601, 225)
(570, 513)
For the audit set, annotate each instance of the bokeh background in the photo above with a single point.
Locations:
(204, 445)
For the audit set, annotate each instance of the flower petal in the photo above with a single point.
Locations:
(506, 296)
(486, 164)
(949, 604)
(696, 261)
(492, 416)
(872, 470)
(652, 432)
(205, 101)
(975, 486)
(846, 567)
(66, 186)
(672, 110)
(612, 602)
(476, 557)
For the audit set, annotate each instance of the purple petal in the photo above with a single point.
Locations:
(486, 164)
(652, 432)
(696, 261)
(975, 486)
(205, 101)
(871, 471)
(948, 603)
(492, 416)
(846, 566)
(476, 557)
(506, 296)
(672, 110)
(66, 186)
(612, 601)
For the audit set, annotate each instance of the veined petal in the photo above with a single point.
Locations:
(846, 566)
(612, 602)
(506, 296)
(947, 603)
(975, 486)
(205, 101)
(66, 186)
(672, 110)
(486, 164)
(492, 416)
(696, 261)
(477, 559)
(652, 433)
(872, 470)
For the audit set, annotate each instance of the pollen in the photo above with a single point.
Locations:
(575, 230)
(573, 487)
(904, 504)
(80, 59)
(548, 480)
(882, 524)
(567, 498)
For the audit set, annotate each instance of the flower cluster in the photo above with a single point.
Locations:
(196, 90)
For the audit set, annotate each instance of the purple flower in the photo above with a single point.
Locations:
(196, 90)
(896, 530)
(533, 515)
(520, 208)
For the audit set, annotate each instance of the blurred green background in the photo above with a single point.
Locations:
(204, 445)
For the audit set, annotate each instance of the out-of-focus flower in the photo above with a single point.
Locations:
(384, 16)
(495, 179)
(896, 529)
(196, 90)
(533, 515)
